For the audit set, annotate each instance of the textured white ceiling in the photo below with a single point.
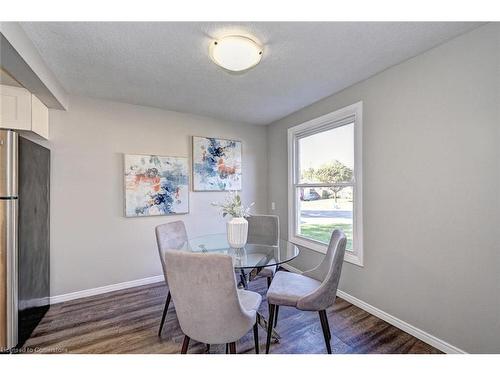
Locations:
(166, 65)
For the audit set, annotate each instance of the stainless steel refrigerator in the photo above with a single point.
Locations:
(24, 237)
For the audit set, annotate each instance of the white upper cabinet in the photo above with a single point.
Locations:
(21, 110)
(39, 117)
(15, 108)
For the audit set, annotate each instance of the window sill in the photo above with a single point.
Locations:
(350, 256)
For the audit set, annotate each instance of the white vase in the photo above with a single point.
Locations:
(237, 232)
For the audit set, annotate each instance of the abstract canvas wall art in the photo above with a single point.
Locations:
(216, 164)
(156, 185)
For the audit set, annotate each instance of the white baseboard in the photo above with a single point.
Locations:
(402, 325)
(105, 289)
(290, 268)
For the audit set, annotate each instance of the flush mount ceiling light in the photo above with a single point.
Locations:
(235, 53)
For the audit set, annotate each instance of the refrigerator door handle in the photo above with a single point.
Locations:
(9, 141)
(9, 274)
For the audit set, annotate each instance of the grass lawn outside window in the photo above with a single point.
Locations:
(320, 217)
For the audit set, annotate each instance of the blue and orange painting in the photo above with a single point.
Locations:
(216, 164)
(156, 185)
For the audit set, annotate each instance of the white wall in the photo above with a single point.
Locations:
(92, 243)
(431, 189)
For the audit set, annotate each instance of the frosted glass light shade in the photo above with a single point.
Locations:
(235, 53)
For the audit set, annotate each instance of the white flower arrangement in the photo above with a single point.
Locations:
(233, 206)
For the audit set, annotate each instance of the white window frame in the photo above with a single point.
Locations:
(318, 125)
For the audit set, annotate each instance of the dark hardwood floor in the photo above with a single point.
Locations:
(127, 321)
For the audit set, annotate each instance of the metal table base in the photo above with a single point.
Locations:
(261, 321)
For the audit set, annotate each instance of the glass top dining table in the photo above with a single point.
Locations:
(247, 260)
(250, 256)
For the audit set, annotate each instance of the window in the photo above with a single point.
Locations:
(325, 181)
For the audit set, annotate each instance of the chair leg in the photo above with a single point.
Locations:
(165, 309)
(270, 327)
(185, 345)
(208, 348)
(243, 279)
(325, 319)
(276, 315)
(227, 348)
(326, 330)
(269, 279)
(256, 337)
(232, 348)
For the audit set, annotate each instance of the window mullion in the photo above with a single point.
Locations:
(320, 185)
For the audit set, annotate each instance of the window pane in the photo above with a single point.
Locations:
(321, 210)
(327, 157)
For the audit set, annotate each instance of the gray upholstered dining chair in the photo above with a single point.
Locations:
(264, 230)
(169, 236)
(313, 290)
(209, 306)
